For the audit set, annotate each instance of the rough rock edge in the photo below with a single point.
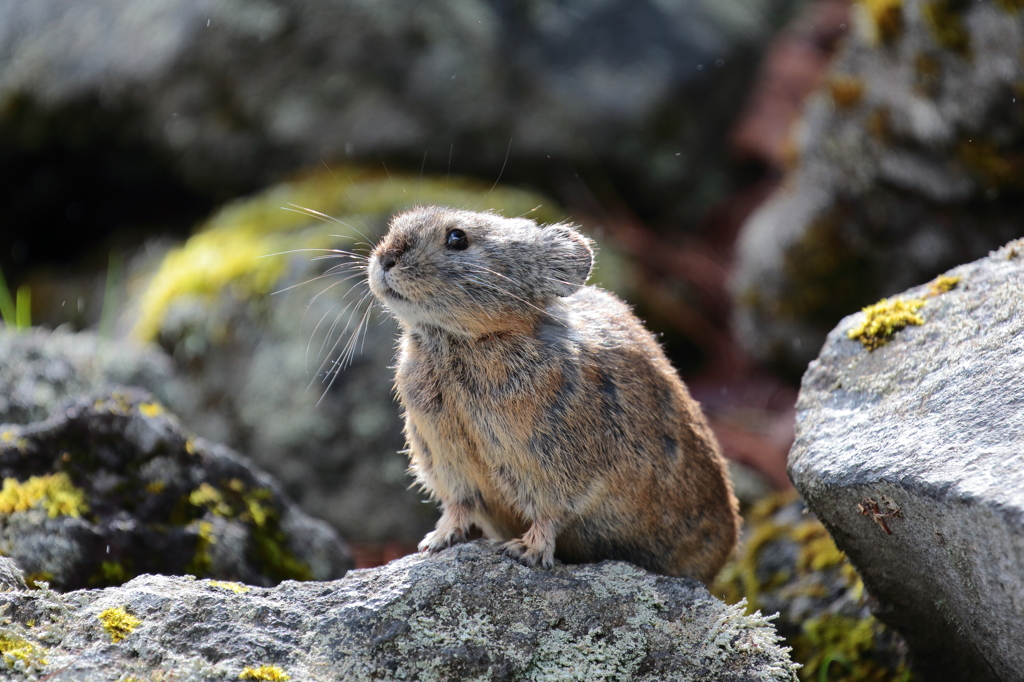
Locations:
(408, 620)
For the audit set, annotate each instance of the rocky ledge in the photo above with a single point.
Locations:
(468, 613)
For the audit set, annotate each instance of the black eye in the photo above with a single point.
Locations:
(457, 240)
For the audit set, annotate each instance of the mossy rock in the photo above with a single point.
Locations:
(111, 487)
(908, 163)
(787, 564)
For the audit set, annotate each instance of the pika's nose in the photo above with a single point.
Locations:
(388, 260)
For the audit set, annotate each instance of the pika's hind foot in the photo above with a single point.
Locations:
(536, 547)
(452, 529)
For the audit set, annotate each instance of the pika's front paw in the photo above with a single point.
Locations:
(442, 538)
(527, 555)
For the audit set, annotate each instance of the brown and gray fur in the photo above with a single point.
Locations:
(539, 409)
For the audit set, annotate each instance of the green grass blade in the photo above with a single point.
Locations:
(6, 302)
(23, 308)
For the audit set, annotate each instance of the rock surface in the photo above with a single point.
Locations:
(230, 95)
(907, 163)
(40, 368)
(468, 613)
(913, 457)
(111, 486)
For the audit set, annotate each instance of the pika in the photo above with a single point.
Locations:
(539, 409)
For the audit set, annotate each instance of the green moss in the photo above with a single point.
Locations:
(55, 493)
(233, 250)
(947, 25)
(838, 648)
(886, 18)
(1011, 5)
(111, 574)
(883, 319)
(118, 623)
(841, 641)
(266, 673)
(202, 562)
(21, 654)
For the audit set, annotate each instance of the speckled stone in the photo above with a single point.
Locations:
(468, 613)
(931, 425)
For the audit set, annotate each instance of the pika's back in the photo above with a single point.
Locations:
(540, 409)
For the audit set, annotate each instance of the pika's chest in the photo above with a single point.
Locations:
(491, 393)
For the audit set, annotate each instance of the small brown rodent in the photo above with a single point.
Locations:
(540, 410)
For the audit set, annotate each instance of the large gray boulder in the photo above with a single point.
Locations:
(906, 164)
(912, 455)
(227, 95)
(468, 613)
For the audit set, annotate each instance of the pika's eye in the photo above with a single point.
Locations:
(457, 240)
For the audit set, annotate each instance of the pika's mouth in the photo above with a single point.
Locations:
(391, 293)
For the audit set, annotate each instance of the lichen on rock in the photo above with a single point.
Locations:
(118, 623)
(883, 319)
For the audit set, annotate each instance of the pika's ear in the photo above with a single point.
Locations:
(568, 259)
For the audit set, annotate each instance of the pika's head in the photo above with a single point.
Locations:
(475, 273)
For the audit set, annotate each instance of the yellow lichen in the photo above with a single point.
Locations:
(236, 248)
(943, 284)
(54, 493)
(118, 623)
(846, 91)
(8, 437)
(202, 562)
(883, 319)
(209, 497)
(156, 487)
(21, 653)
(237, 588)
(265, 673)
(151, 409)
(886, 18)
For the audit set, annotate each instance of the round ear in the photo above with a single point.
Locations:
(567, 259)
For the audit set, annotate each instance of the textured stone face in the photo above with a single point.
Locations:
(905, 165)
(465, 614)
(110, 487)
(913, 457)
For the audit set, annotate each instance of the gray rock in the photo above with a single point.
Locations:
(110, 487)
(907, 165)
(468, 613)
(11, 577)
(913, 457)
(39, 369)
(232, 94)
